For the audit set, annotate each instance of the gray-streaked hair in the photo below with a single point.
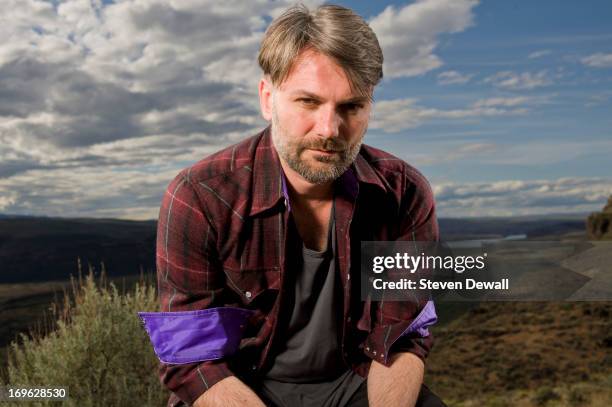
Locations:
(334, 31)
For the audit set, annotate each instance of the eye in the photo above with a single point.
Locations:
(352, 107)
(308, 102)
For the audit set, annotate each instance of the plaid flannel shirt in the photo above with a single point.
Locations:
(222, 241)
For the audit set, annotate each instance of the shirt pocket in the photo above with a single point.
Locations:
(256, 287)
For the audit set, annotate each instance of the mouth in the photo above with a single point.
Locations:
(324, 152)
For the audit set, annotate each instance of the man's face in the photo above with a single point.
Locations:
(318, 123)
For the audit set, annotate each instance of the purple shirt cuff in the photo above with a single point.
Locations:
(194, 336)
(426, 318)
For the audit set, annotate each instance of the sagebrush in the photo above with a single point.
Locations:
(98, 348)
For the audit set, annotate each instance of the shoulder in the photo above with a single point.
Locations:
(230, 163)
(413, 197)
(394, 170)
(223, 163)
(219, 183)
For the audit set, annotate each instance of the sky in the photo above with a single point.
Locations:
(503, 105)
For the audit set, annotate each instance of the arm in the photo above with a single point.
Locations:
(399, 340)
(229, 392)
(190, 278)
(397, 385)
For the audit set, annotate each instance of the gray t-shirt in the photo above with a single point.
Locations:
(308, 370)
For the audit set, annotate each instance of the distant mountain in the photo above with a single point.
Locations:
(43, 249)
(532, 226)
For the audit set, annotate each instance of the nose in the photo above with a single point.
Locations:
(328, 122)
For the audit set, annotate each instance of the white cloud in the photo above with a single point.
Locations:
(7, 200)
(70, 193)
(92, 92)
(96, 69)
(539, 54)
(456, 152)
(598, 60)
(540, 152)
(500, 151)
(520, 81)
(598, 99)
(75, 74)
(400, 114)
(503, 102)
(100, 104)
(516, 197)
(408, 35)
(94, 97)
(453, 77)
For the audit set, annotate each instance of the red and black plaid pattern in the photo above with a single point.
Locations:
(223, 240)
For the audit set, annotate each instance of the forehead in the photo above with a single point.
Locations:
(318, 74)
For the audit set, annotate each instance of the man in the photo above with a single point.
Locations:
(258, 244)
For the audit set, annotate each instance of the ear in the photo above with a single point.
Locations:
(265, 97)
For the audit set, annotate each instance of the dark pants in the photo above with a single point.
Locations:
(360, 398)
(426, 398)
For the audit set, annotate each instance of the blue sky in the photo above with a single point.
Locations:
(531, 38)
(504, 106)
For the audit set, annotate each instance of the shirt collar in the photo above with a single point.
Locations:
(365, 173)
(267, 175)
(269, 183)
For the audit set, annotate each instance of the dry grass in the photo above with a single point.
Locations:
(526, 354)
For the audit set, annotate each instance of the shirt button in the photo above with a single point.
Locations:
(348, 319)
(248, 294)
(382, 355)
(374, 353)
(348, 277)
(254, 367)
(367, 348)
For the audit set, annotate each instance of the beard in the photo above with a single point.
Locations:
(327, 168)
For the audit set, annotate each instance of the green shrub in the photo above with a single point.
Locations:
(98, 350)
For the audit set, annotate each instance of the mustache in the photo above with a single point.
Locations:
(329, 144)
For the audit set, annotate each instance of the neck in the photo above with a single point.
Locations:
(304, 191)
